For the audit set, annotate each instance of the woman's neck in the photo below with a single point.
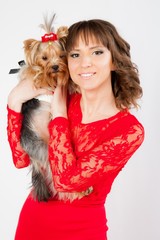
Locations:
(97, 105)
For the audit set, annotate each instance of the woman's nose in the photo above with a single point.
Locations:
(86, 61)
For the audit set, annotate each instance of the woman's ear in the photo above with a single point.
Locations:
(113, 68)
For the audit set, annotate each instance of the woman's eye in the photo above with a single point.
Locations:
(74, 55)
(98, 52)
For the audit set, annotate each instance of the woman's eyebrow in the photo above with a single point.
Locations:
(91, 48)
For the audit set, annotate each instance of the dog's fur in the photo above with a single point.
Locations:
(46, 65)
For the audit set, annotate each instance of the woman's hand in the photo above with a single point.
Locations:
(59, 102)
(22, 92)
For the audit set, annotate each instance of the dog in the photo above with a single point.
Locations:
(46, 65)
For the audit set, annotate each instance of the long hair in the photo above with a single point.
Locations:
(125, 78)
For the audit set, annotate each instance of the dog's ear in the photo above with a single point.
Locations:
(62, 33)
(30, 46)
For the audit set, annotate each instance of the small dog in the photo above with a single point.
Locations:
(46, 64)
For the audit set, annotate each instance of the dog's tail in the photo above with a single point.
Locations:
(41, 191)
(40, 168)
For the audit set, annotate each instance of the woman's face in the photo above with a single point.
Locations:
(90, 65)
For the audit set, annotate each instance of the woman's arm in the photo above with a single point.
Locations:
(22, 92)
(72, 173)
(20, 157)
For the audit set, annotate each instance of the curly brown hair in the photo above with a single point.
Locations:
(125, 78)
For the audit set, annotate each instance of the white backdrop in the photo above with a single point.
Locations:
(133, 206)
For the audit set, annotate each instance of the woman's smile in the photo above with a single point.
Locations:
(87, 75)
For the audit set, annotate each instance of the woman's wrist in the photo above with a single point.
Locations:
(14, 103)
(15, 107)
(59, 114)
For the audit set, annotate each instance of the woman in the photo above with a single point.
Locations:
(92, 134)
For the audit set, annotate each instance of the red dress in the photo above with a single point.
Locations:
(81, 156)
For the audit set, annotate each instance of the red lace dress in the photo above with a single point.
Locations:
(81, 156)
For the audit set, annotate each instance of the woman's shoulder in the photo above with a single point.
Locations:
(123, 123)
(131, 126)
(74, 96)
(123, 118)
(133, 120)
(73, 99)
(74, 111)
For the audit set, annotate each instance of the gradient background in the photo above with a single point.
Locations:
(133, 206)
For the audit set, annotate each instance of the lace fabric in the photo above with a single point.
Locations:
(82, 154)
(20, 157)
(98, 152)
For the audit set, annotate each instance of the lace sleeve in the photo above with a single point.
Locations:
(77, 173)
(20, 157)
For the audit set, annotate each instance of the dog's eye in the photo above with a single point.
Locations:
(62, 56)
(44, 58)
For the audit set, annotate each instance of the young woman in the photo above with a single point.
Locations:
(92, 134)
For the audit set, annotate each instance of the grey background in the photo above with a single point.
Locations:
(133, 210)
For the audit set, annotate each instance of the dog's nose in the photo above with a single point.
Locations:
(55, 68)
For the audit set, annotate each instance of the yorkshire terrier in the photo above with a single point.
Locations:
(46, 65)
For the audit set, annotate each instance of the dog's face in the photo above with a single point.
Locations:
(47, 62)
